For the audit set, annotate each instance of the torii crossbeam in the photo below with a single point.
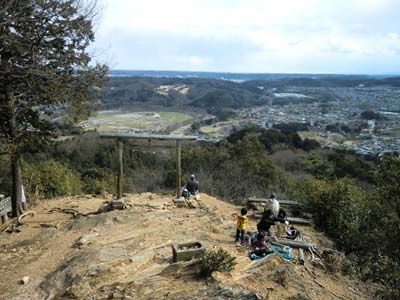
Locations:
(149, 140)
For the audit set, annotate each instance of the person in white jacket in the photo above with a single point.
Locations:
(23, 198)
(273, 204)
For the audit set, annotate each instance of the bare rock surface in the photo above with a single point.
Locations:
(126, 254)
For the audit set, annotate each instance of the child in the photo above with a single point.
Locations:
(267, 220)
(241, 222)
(260, 243)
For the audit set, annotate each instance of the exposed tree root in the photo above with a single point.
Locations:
(74, 212)
(333, 293)
(19, 220)
(55, 225)
(314, 278)
(14, 224)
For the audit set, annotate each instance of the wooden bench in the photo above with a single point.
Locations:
(292, 207)
(5, 208)
(292, 220)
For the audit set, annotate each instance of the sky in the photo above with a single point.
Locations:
(252, 36)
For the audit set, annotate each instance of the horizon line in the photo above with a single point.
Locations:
(262, 73)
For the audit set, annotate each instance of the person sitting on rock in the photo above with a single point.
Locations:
(272, 204)
(283, 222)
(192, 185)
(185, 193)
(282, 215)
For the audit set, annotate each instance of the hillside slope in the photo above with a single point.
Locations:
(128, 256)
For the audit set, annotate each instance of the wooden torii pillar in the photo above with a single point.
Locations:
(148, 140)
(120, 168)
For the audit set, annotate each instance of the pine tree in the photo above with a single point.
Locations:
(44, 66)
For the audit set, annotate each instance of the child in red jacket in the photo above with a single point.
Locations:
(260, 243)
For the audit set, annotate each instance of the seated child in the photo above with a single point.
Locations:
(260, 243)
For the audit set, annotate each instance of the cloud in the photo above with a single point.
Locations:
(345, 36)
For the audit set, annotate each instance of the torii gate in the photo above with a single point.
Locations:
(149, 140)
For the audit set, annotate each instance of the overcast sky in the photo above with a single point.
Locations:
(269, 36)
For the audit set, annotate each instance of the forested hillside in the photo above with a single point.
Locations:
(222, 97)
(215, 96)
(354, 201)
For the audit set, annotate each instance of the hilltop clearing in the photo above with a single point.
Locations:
(126, 254)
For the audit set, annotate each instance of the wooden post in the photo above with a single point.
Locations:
(120, 169)
(178, 169)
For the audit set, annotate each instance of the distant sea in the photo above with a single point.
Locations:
(239, 77)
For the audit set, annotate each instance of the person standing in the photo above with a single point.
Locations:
(23, 198)
(241, 223)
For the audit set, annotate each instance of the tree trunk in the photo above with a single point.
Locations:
(14, 155)
(16, 186)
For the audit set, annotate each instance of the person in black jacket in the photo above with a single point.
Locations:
(192, 185)
(268, 219)
(282, 216)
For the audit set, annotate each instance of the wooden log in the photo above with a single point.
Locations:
(257, 200)
(291, 243)
(301, 256)
(298, 221)
(301, 259)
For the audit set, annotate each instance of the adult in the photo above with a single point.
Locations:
(267, 220)
(192, 185)
(273, 205)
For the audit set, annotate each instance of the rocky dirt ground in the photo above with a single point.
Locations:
(126, 254)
